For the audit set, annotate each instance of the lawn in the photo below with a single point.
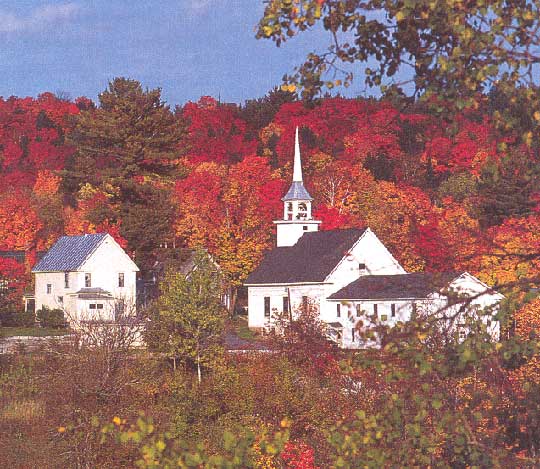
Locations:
(31, 331)
(239, 325)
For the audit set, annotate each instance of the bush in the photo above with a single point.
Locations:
(51, 318)
(17, 319)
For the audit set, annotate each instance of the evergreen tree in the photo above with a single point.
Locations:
(128, 148)
(508, 188)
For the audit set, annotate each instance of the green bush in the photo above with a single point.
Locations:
(53, 318)
(17, 319)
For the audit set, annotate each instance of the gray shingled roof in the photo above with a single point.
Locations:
(69, 253)
(311, 259)
(297, 191)
(403, 286)
(93, 293)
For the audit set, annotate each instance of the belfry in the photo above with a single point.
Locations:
(297, 217)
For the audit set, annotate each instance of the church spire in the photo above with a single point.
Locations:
(297, 173)
(297, 191)
(297, 217)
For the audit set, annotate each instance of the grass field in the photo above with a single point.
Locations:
(31, 331)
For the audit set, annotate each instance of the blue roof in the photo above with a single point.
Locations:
(69, 253)
(297, 191)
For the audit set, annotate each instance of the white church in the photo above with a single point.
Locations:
(352, 279)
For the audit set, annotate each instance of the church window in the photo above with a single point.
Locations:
(352, 330)
(375, 309)
(393, 309)
(304, 303)
(414, 310)
(338, 310)
(266, 306)
(87, 280)
(66, 279)
(358, 310)
(49, 288)
(285, 304)
(121, 279)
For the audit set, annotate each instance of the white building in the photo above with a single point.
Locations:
(88, 276)
(350, 276)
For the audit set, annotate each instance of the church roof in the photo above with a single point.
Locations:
(297, 191)
(402, 286)
(311, 259)
(69, 253)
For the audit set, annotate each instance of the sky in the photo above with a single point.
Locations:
(189, 48)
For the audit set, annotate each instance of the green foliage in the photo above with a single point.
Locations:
(160, 450)
(458, 186)
(188, 319)
(129, 148)
(506, 188)
(53, 318)
(17, 319)
(453, 50)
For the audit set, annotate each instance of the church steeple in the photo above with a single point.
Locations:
(297, 218)
(297, 191)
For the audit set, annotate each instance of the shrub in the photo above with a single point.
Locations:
(17, 319)
(51, 318)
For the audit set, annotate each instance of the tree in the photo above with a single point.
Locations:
(188, 319)
(131, 140)
(460, 44)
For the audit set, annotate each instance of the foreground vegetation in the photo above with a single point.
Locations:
(424, 398)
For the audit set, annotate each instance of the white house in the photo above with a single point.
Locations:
(349, 275)
(88, 276)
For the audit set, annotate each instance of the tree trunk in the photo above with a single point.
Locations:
(233, 292)
(199, 367)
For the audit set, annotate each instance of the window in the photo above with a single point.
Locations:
(49, 289)
(92, 306)
(60, 299)
(305, 228)
(358, 310)
(375, 309)
(414, 310)
(266, 306)
(361, 266)
(393, 309)
(66, 279)
(121, 279)
(304, 303)
(87, 280)
(96, 305)
(285, 304)
(352, 330)
(338, 310)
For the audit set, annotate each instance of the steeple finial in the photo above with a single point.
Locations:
(297, 172)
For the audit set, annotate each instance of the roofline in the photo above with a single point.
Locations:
(285, 284)
(297, 222)
(107, 235)
(377, 299)
(485, 285)
(366, 230)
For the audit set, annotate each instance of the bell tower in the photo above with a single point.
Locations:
(297, 218)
